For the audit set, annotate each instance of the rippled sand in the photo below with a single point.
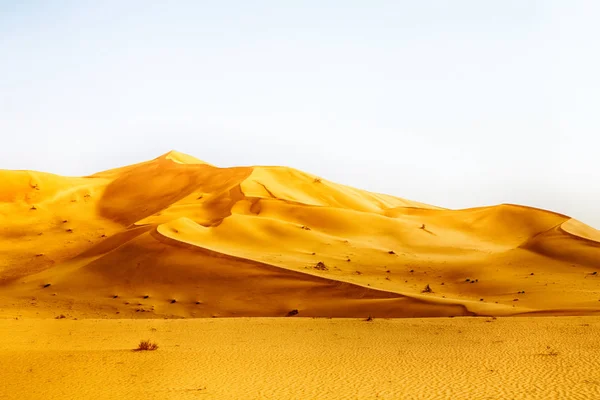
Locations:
(302, 358)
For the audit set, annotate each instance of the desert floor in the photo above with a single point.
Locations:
(302, 358)
(203, 260)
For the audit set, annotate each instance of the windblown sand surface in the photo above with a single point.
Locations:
(290, 358)
(135, 252)
(176, 237)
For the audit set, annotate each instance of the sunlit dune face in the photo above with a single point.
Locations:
(175, 236)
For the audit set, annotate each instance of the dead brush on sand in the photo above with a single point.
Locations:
(146, 345)
(321, 266)
(549, 352)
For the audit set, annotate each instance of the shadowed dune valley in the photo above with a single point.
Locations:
(269, 282)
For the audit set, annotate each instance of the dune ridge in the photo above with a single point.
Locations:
(200, 241)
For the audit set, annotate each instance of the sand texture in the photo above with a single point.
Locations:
(176, 237)
(302, 358)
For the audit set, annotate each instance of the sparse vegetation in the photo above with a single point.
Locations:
(321, 266)
(147, 345)
(306, 228)
(391, 252)
(549, 352)
(61, 316)
(173, 301)
(369, 319)
(292, 313)
(427, 289)
(317, 180)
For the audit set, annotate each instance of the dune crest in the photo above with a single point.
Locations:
(182, 158)
(178, 237)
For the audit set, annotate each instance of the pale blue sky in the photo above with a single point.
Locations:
(453, 103)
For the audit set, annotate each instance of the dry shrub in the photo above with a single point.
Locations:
(146, 345)
(321, 266)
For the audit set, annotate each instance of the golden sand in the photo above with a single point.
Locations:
(176, 237)
(89, 266)
(302, 358)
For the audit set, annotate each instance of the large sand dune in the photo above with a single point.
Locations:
(177, 237)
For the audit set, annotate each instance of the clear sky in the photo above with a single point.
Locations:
(453, 103)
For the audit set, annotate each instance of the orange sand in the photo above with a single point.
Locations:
(302, 358)
(203, 241)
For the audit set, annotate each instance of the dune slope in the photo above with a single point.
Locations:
(177, 237)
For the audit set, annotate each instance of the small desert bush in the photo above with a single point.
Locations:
(321, 266)
(549, 352)
(146, 345)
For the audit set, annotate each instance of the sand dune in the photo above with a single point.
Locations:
(263, 241)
